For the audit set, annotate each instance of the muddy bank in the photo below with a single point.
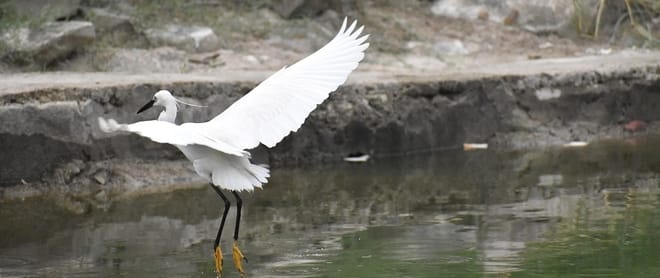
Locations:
(49, 135)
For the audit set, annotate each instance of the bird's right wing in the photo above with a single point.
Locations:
(166, 132)
(280, 104)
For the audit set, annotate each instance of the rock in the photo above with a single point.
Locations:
(47, 10)
(310, 8)
(73, 206)
(56, 120)
(450, 47)
(208, 58)
(483, 15)
(269, 16)
(188, 38)
(158, 60)
(297, 8)
(101, 196)
(108, 23)
(101, 177)
(252, 59)
(533, 15)
(49, 43)
(66, 173)
(330, 19)
(542, 16)
(467, 9)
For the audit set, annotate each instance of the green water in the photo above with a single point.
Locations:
(579, 212)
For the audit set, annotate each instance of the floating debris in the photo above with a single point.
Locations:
(473, 146)
(576, 144)
(634, 126)
(357, 157)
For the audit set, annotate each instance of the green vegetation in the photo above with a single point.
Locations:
(623, 243)
(9, 19)
(232, 21)
(639, 14)
(370, 253)
(10, 23)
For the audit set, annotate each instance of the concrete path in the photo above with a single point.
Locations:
(471, 69)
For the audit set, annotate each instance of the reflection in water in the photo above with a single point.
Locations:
(453, 213)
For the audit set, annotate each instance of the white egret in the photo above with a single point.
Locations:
(267, 114)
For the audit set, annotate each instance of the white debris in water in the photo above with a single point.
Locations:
(576, 144)
(362, 158)
(473, 146)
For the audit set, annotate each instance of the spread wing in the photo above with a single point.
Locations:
(280, 104)
(166, 132)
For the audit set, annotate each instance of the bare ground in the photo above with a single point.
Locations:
(405, 37)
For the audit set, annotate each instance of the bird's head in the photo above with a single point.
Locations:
(165, 99)
(161, 98)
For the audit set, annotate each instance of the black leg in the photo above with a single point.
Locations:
(239, 204)
(236, 252)
(224, 215)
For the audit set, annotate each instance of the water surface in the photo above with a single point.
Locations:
(577, 212)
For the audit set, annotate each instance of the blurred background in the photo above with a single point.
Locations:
(562, 96)
(201, 35)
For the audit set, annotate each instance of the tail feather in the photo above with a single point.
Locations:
(232, 172)
(110, 125)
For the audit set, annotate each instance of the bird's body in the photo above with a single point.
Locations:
(267, 114)
(235, 173)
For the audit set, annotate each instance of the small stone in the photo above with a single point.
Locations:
(546, 45)
(451, 47)
(251, 59)
(101, 196)
(483, 15)
(511, 18)
(101, 177)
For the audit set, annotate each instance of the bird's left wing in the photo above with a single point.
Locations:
(166, 132)
(280, 104)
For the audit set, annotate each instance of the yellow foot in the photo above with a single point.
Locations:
(218, 261)
(238, 259)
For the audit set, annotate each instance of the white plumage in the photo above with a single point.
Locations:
(267, 114)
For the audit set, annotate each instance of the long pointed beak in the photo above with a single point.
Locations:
(146, 106)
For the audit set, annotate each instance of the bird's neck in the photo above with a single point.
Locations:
(169, 114)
